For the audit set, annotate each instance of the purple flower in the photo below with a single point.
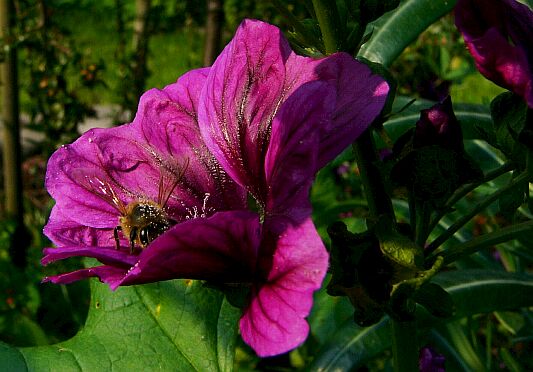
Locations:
(261, 122)
(499, 35)
(431, 160)
(439, 126)
(431, 361)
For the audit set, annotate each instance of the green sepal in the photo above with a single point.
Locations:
(510, 132)
(406, 257)
(402, 304)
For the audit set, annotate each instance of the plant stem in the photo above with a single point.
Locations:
(474, 211)
(404, 345)
(422, 224)
(330, 25)
(12, 151)
(379, 202)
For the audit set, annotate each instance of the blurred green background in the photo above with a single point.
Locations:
(77, 57)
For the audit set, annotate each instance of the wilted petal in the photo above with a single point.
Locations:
(274, 322)
(222, 248)
(106, 274)
(106, 255)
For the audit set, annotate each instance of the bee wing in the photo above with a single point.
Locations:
(168, 180)
(99, 186)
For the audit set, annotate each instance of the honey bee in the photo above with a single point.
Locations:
(141, 220)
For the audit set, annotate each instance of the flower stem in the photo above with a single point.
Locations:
(330, 25)
(379, 202)
(422, 224)
(404, 346)
(474, 211)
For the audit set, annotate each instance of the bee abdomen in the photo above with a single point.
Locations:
(151, 231)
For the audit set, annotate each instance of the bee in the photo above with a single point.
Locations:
(141, 220)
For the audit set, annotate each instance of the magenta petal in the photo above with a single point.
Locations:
(64, 232)
(240, 98)
(167, 125)
(76, 202)
(103, 165)
(107, 274)
(291, 161)
(251, 80)
(361, 96)
(222, 248)
(503, 63)
(106, 255)
(163, 146)
(274, 322)
(499, 35)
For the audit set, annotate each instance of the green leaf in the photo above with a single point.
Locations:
(395, 31)
(173, 325)
(511, 321)
(472, 291)
(352, 345)
(456, 334)
(512, 199)
(12, 359)
(328, 314)
(482, 291)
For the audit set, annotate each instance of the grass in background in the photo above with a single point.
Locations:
(94, 29)
(475, 89)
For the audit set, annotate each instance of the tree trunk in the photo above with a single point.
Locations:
(141, 32)
(11, 144)
(213, 30)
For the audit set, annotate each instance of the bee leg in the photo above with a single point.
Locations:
(115, 234)
(133, 236)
